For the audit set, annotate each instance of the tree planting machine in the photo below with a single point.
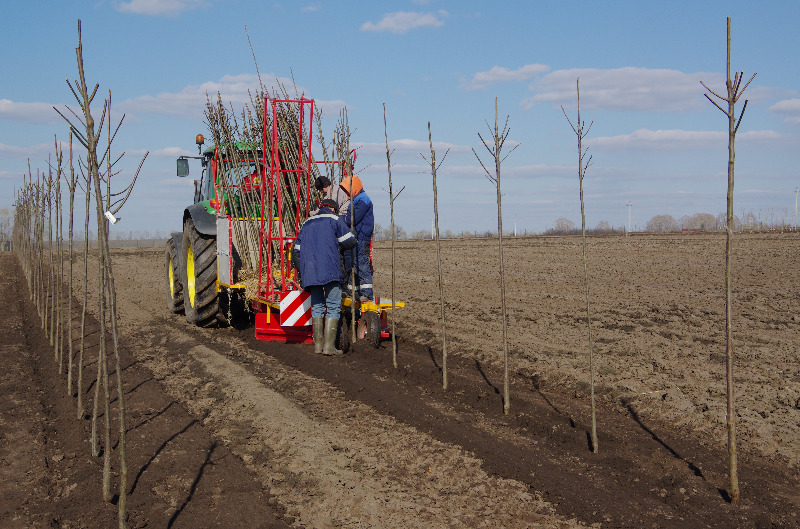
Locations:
(249, 204)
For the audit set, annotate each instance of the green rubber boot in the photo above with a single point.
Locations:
(319, 333)
(330, 338)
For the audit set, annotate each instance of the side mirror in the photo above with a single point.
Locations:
(183, 167)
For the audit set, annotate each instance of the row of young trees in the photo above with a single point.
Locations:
(47, 257)
(494, 146)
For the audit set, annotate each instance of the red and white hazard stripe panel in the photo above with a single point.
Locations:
(296, 309)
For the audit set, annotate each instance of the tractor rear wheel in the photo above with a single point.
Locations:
(200, 297)
(173, 273)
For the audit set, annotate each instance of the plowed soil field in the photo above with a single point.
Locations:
(227, 431)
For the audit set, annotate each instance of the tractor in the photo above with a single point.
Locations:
(249, 205)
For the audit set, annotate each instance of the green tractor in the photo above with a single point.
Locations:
(237, 238)
(191, 256)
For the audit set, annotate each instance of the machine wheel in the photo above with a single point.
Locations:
(173, 273)
(200, 297)
(343, 333)
(369, 328)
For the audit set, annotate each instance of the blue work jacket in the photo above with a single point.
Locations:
(363, 219)
(317, 251)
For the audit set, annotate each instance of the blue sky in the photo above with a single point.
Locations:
(655, 142)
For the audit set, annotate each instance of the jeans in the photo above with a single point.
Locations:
(363, 269)
(326, 296)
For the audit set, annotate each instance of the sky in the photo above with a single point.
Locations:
(657, 145)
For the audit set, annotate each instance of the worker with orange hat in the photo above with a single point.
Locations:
(361, 221)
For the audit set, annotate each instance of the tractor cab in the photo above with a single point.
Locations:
(201, 186)
(231, 179)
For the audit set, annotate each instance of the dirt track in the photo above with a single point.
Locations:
(353, 442)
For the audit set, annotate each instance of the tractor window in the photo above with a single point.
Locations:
(237, 185)
(239, 174)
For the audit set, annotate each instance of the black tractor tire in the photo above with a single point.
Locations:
(173, 278)
(199, 260)
(369, 328)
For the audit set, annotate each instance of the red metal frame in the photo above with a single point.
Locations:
(268, 327)
(277, 283)
(267, 288)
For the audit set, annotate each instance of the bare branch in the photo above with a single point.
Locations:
(736, 128)
(509, 152)
(78, 99)
(488, 174)
(713, 92)
(745, 86)
(113, 137)
(569, 120)
(72, 128)
(716, 105)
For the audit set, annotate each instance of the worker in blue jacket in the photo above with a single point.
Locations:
(317, 256)
(362, 222)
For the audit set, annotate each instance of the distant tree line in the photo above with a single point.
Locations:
(764, 220)
(564, 226)
(772, 219)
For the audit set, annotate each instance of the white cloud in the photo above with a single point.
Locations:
(167, 152)
(29, 112)
(311, 8)
(409, 147)
(789, 109)
(191, 100)
(677, 139)
(759, 135)
(539, 170)
(330, 107)
(34, 152)
(9, 175)
(501, 74)
(159, 7)
(624, 89)
(404, 21)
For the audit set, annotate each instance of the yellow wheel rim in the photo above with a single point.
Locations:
(171, 280)
(190, 274)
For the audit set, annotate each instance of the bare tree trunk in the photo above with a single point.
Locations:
(439, 260)
(342, 140)
(392, 197)
(50, 299)
(734, 92)
(83, 316)
(506, 390)
(731, 423)
(579, 131)
(72, 185)
(59, 341)
(123, 473)
(495, 150)
(40, 287)
(100, 360)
